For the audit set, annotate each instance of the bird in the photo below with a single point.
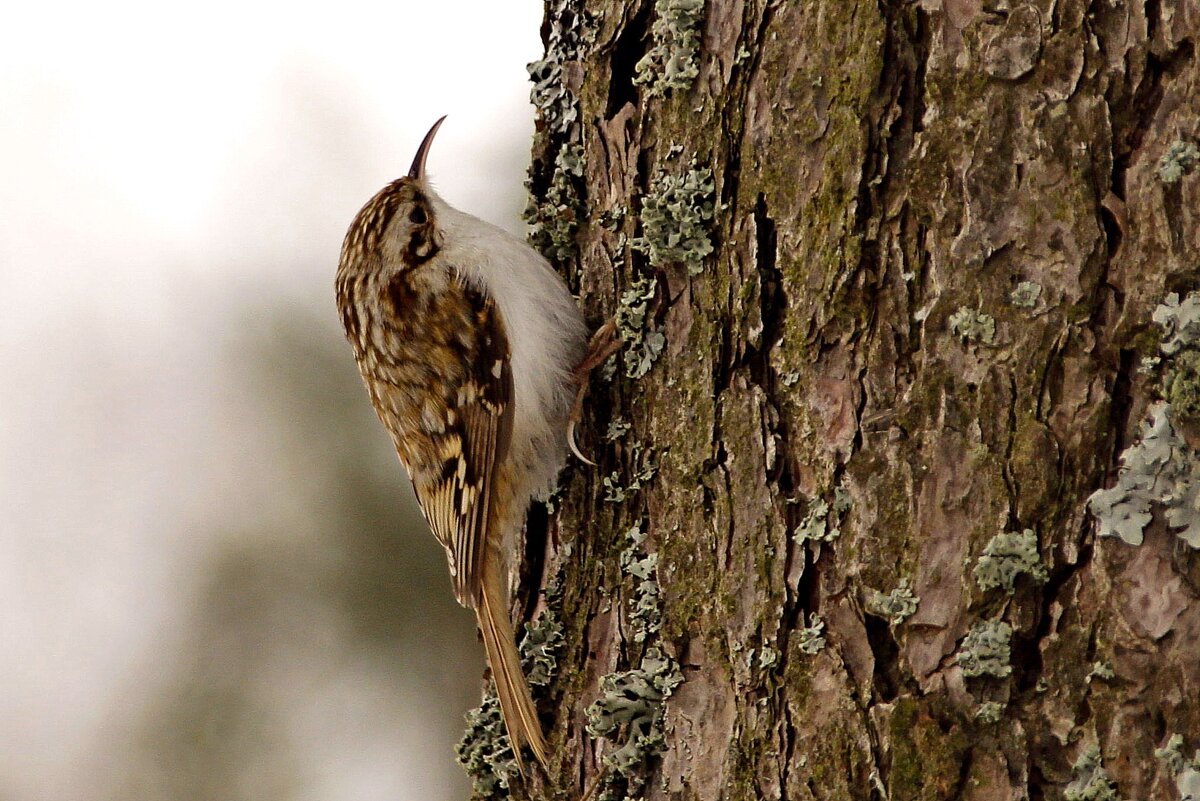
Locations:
(473, 352)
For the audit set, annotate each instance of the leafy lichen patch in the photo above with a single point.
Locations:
(644, 342)
(989, 712)
(673, 61)
(1025, 295)
(485, 751)
(676, 218)
(1007, 556)
(811, 638)
(896, 606)
(554, 218)
(634, 701)
(971, 325)
(986, 650)
(1091, 782)
(1181, 158)
(1161, 468)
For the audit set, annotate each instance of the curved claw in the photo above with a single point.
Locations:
(575, 447)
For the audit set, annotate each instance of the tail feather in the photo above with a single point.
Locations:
(499, 641)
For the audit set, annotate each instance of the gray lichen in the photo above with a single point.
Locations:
(1185, 771)
(645, 614)
(1180, 322)
(986, 650)
(539, 649)
(817, 525)
(618, 427)
(485, 751)
(676, 217)
(672, 62)
(1160, 468)
(643, 342)
(1025, 295)
(554, 218)
(634, 701)
(616, 490)
(897, 606)
(1100, 670)
(555, 103)
(1007, 556)
(971, 325)
(822, 523)
(1091, 782)
(811, 638)
(989, 712)
(1181, 158)
(1172, 755)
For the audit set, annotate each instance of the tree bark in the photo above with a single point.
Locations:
(938, 232)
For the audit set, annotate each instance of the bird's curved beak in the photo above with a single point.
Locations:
(417, 171)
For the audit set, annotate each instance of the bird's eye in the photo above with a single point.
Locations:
(417, 216)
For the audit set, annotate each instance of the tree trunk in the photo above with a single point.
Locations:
(885, 273)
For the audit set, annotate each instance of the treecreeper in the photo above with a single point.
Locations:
(474, 355)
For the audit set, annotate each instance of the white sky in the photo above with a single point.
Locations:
(157, 162)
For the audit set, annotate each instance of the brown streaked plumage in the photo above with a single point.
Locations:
(466, 341)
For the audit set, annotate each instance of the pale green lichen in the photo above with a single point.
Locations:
(539, 649)
(550, 96)
(617, 428)
(1183, 387)
(554, 218)
(634, 701)
(616, 490)
(1007, 556)
(673, 60)
(1025, 295)
(1100, 670)
(676, 217)
(989, 712)
(485, 751)
(1159, 468)
(1180, 322)
(768, 657)
(822, 523)
(896, 606)
(811, 638)
(1091, 782)
(971, 325)
(645, 613)
(986, 650)
(1186, 772)
(643, 342)
(1181, 158)
(790, 378)
(612, 218)
(817, 525)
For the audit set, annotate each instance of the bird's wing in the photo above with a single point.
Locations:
(457, 498)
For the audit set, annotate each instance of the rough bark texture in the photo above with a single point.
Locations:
(852, 400)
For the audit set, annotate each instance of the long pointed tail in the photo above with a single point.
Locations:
(499, 641)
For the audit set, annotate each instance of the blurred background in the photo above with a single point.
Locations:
(213, 581)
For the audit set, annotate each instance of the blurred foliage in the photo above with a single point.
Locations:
(337, 569)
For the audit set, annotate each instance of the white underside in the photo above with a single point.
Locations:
(546, 337)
